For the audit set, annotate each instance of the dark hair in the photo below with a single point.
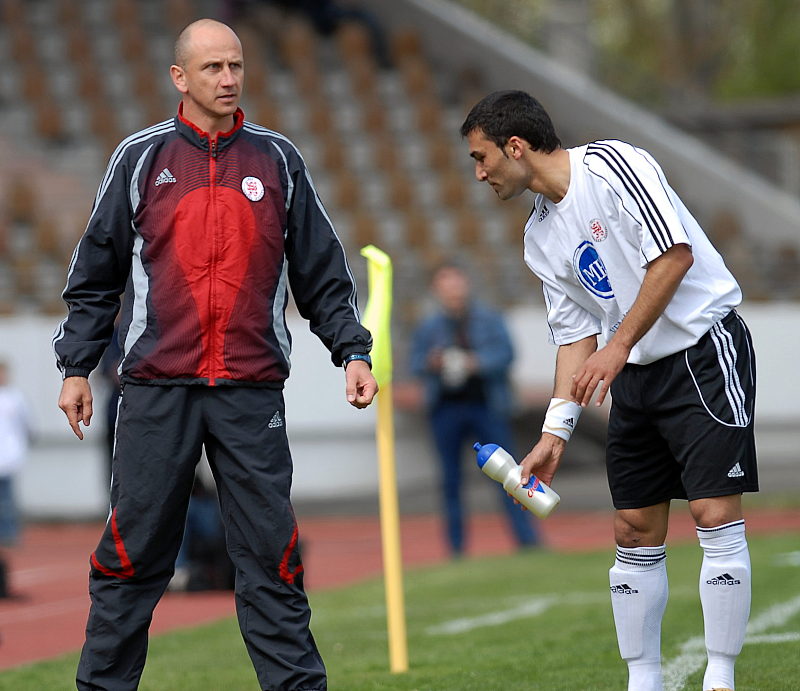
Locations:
(504, 114)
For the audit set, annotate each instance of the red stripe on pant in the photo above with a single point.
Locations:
(287, 575)
(127, 570)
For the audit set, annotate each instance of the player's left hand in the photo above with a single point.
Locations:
(360, 385)
(599, 369)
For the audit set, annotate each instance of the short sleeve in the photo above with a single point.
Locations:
(637, 179)
(568, 321)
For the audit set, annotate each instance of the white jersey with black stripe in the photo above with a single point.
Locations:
(591, 251)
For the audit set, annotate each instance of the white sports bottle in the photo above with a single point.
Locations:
(499, 465)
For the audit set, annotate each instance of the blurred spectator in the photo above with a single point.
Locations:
(15, 435)
(463, 353)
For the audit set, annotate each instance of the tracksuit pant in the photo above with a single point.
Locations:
(160, 432)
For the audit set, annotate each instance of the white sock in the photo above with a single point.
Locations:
(725, 596)
(639, 593)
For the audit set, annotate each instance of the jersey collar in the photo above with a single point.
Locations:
(202, 139)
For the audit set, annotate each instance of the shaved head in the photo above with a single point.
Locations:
(209, 74)
(183, 46)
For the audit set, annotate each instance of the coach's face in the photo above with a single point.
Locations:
(211, 77)
(500, 168)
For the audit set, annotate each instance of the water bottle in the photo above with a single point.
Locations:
(499, 465)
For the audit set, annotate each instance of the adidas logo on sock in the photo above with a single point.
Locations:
(276, 421)
(165, 176)
(623, 589)
(736, 471)
(723, 579)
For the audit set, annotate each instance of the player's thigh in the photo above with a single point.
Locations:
(711, 430)
(641, 469)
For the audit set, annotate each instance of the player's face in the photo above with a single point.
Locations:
(211, 80)
(504, 173)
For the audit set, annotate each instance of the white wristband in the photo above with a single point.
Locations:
(561, 418)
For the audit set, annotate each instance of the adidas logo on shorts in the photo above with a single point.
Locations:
(736, 471)
(724, 579)
(276, 421)
(623, 589)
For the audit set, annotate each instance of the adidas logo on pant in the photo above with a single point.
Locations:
(736, 471)
(623, 589)
(276, 421)
(724, 579)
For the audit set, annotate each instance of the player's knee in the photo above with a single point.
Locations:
(715, 511)
(634, 530)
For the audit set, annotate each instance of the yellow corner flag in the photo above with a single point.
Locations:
(377, 318)
(378, 314)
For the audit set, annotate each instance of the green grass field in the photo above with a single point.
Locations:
(534, 621)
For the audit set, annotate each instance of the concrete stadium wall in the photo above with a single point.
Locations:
(333, 444)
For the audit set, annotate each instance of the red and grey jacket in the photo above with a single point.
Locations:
(204, 237)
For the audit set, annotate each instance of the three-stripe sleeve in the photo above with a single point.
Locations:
(641, 186)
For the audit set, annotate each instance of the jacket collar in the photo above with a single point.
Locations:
(202, 139)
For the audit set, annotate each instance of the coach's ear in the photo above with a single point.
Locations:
(178, 78)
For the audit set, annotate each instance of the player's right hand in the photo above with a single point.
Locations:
(76, 402)
(543, 460)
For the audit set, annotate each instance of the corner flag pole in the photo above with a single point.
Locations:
(377, 318)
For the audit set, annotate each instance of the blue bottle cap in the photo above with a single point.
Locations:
(484, 451)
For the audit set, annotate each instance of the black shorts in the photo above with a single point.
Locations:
(682, 427)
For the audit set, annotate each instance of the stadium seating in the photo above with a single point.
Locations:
(382, 142)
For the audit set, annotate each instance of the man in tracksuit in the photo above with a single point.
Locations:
(204, 221)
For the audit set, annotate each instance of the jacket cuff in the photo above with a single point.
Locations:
(76, 372)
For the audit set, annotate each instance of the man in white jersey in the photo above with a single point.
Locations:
(619, 255)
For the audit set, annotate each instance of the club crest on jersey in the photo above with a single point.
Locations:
(599, 233)
(591, 271)
(253, 188)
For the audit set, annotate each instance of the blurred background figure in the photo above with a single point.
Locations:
(15, 435)
(463, 354)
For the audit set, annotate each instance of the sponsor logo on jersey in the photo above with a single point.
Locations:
(591, 271)
(543, 213)
(253, 188)
(165, 176)
(599, 233)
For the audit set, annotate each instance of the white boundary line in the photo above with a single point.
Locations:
(692, 655)
(531, 607)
